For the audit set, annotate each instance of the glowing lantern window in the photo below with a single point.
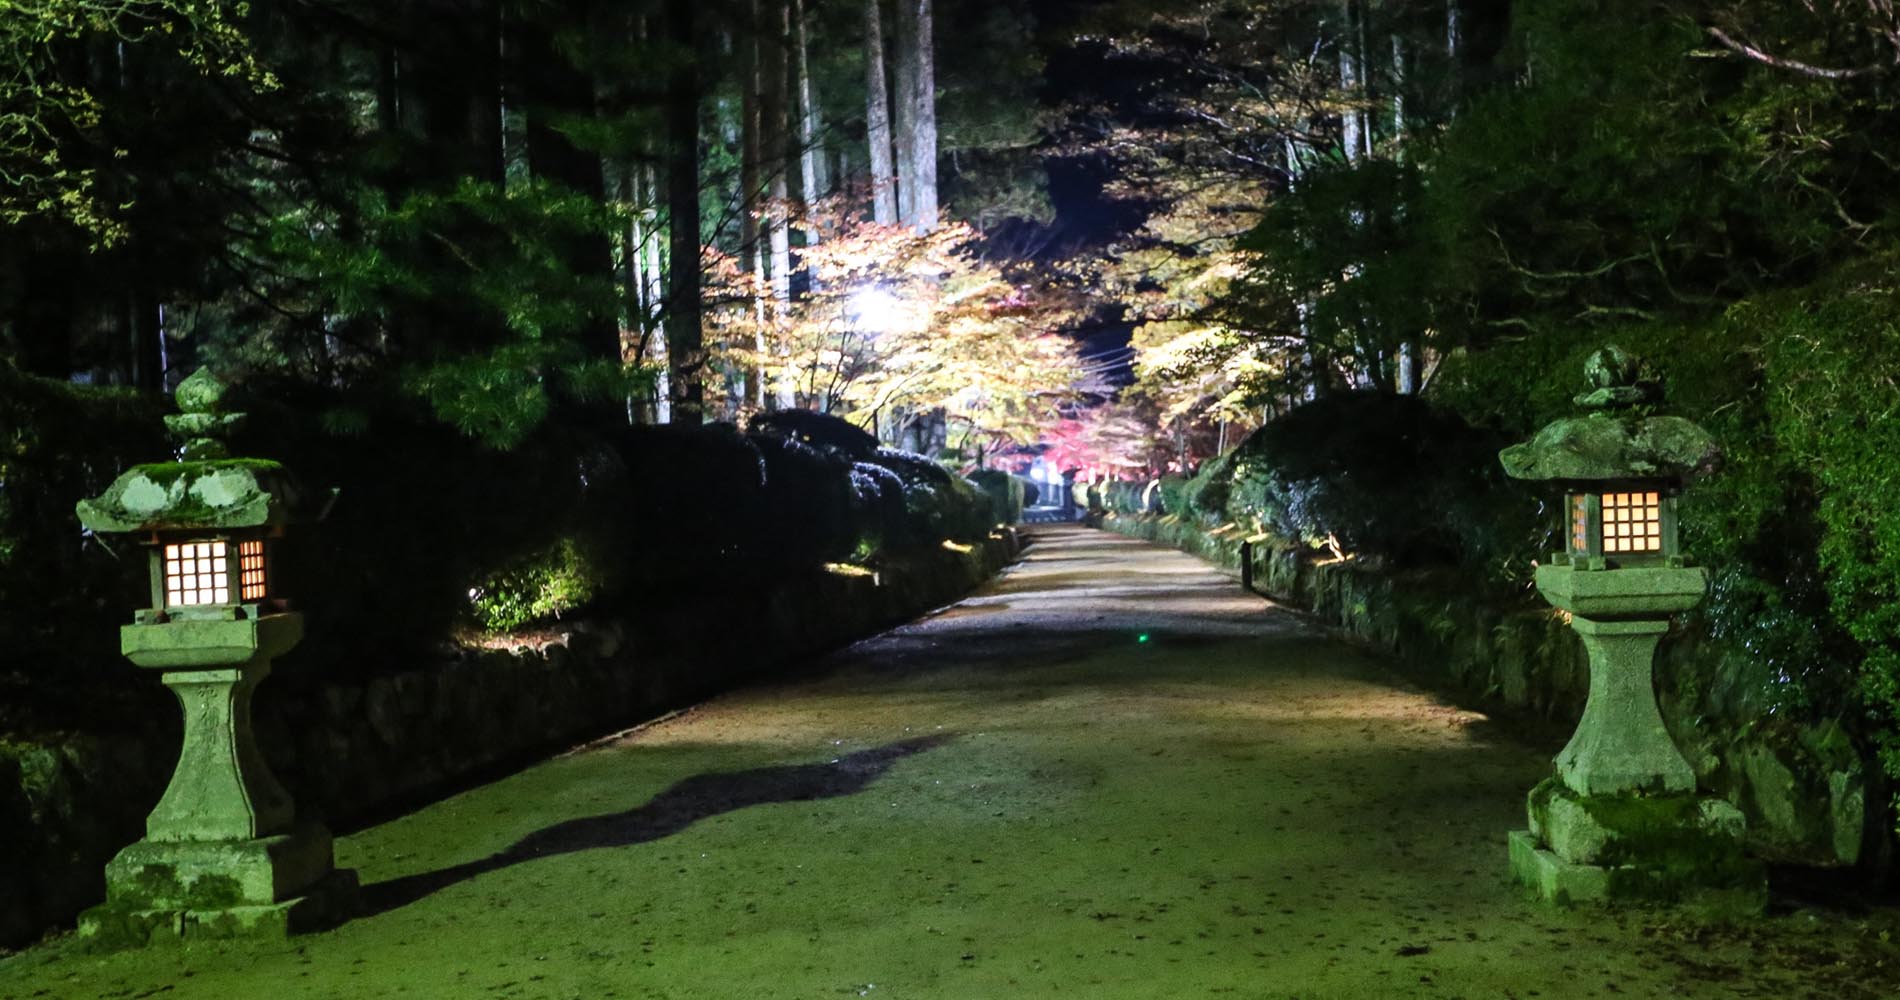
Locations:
(209, 572)
(1632, 522)
(197, 573)
(251, 570)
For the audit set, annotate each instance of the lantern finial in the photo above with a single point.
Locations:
(1618, 379)
(199, 425)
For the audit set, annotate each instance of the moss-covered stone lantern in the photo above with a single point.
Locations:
(224, 853)
(1621, 818)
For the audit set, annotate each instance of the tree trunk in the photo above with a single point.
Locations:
(144, 325)
(1411, 367)
(877, 118)
(685, 354)
(779, 110)
(813, 184)
(917, 116)
(1352, 118)
(775, 131)
(455, 89)
(751, 161)
(1398, 87)
(555, 86)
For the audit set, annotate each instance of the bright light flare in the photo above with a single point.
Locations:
(873, 308)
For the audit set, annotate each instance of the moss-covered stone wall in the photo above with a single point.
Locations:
(1810, 794)
(353, 746)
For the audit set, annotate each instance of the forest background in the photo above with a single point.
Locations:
(939, 219)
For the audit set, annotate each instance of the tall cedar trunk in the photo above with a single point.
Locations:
(1311, 358)
(43, 329)
(877, 118)
(684, 348)
(777, 111)
(145, 333)
(916, 116)
(653, 294)
(751, 162)
(1352, 120)
(139, 316)
(774, 132)
(813, 184)
(633, 276)
(1398, 87)
(904, 76)
(454, 87)
(557, 87)
(445, 94)
(1411, 357)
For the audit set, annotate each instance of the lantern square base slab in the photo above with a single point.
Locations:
(1735, 888)
(269, 886)
(324, 905)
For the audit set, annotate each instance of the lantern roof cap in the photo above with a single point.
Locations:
(1620, 440)
(182, 496)
(207, 489)
(1603, 447)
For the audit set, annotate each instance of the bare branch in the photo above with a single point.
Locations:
(1795, 66)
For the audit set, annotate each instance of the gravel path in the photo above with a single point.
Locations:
(1110, 774)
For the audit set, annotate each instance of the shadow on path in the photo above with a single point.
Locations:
(699, 797)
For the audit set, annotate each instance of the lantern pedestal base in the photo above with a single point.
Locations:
(1675, 849)
(269, 886)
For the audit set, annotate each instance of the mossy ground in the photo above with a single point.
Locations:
(1020, 796)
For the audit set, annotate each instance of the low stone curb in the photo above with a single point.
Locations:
(1810, 794)
(353, 749)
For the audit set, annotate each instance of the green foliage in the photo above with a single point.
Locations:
(1378, 476)
(1206, 493)
(939, 504)
(58, 445)
(1342, 260)
(1174, 494)
(1630, 179)
(1828, 360)
(546, 585)
(1005, 493)
(473, 283)
(44, 173)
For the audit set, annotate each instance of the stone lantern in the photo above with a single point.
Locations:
(224, 853)
(1621, 817)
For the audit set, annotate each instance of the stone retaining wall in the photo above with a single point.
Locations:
(1812, 795)
(354, 749)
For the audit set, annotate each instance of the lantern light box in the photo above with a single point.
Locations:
(207, 572)
(1629, 523)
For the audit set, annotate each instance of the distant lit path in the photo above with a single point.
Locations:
(1015, 797)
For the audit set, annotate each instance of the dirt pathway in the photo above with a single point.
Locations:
(1110, 774)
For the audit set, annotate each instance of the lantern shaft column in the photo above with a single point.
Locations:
(1621, 746)
(222, 789)
(226, 792)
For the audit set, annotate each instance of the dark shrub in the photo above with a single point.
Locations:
(1005, 493)
(819, 430)
(1387, 476)
(61, 597)
(939, 503)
